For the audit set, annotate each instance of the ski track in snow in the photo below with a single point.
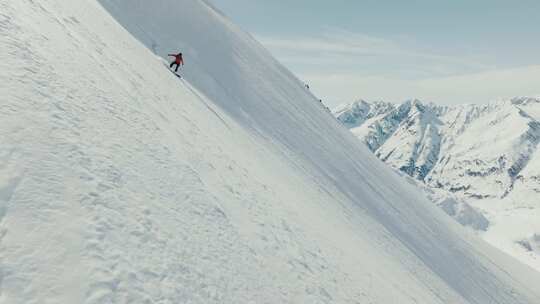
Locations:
(203, 100)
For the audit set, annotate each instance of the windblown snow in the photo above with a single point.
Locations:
(120, 183)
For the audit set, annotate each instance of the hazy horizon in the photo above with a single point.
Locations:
(449, 52)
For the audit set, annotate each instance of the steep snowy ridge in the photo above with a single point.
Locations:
(120, 183)
(485, 156)
(420, 130)
(423, 130)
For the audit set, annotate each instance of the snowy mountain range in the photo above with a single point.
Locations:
(121, 183)
(480, 163)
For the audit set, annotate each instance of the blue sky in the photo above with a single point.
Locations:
(449, 52)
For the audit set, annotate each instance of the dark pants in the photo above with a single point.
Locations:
(177, 65)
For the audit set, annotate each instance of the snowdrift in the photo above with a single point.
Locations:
(120, 183)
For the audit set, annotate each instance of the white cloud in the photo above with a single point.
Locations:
(471, 88)
(339, 42)
(339, 48)
(342, 66)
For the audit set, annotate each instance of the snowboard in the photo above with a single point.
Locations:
(176, 74)
(169, 68)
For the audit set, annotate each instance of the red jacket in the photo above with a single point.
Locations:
(178, 58)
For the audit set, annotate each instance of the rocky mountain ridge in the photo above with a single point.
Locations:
(481, 155)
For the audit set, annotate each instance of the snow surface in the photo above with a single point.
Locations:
(482, 158)
(120, 183)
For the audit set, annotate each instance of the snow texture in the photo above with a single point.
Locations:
(120, 183)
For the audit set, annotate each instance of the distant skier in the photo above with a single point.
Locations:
(178, 60)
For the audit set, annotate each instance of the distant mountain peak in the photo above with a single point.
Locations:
(481, 154)
(525, 100)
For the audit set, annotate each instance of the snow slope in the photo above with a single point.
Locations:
(485, 157)
(120, 183)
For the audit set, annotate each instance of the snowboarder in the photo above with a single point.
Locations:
(177, 61)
